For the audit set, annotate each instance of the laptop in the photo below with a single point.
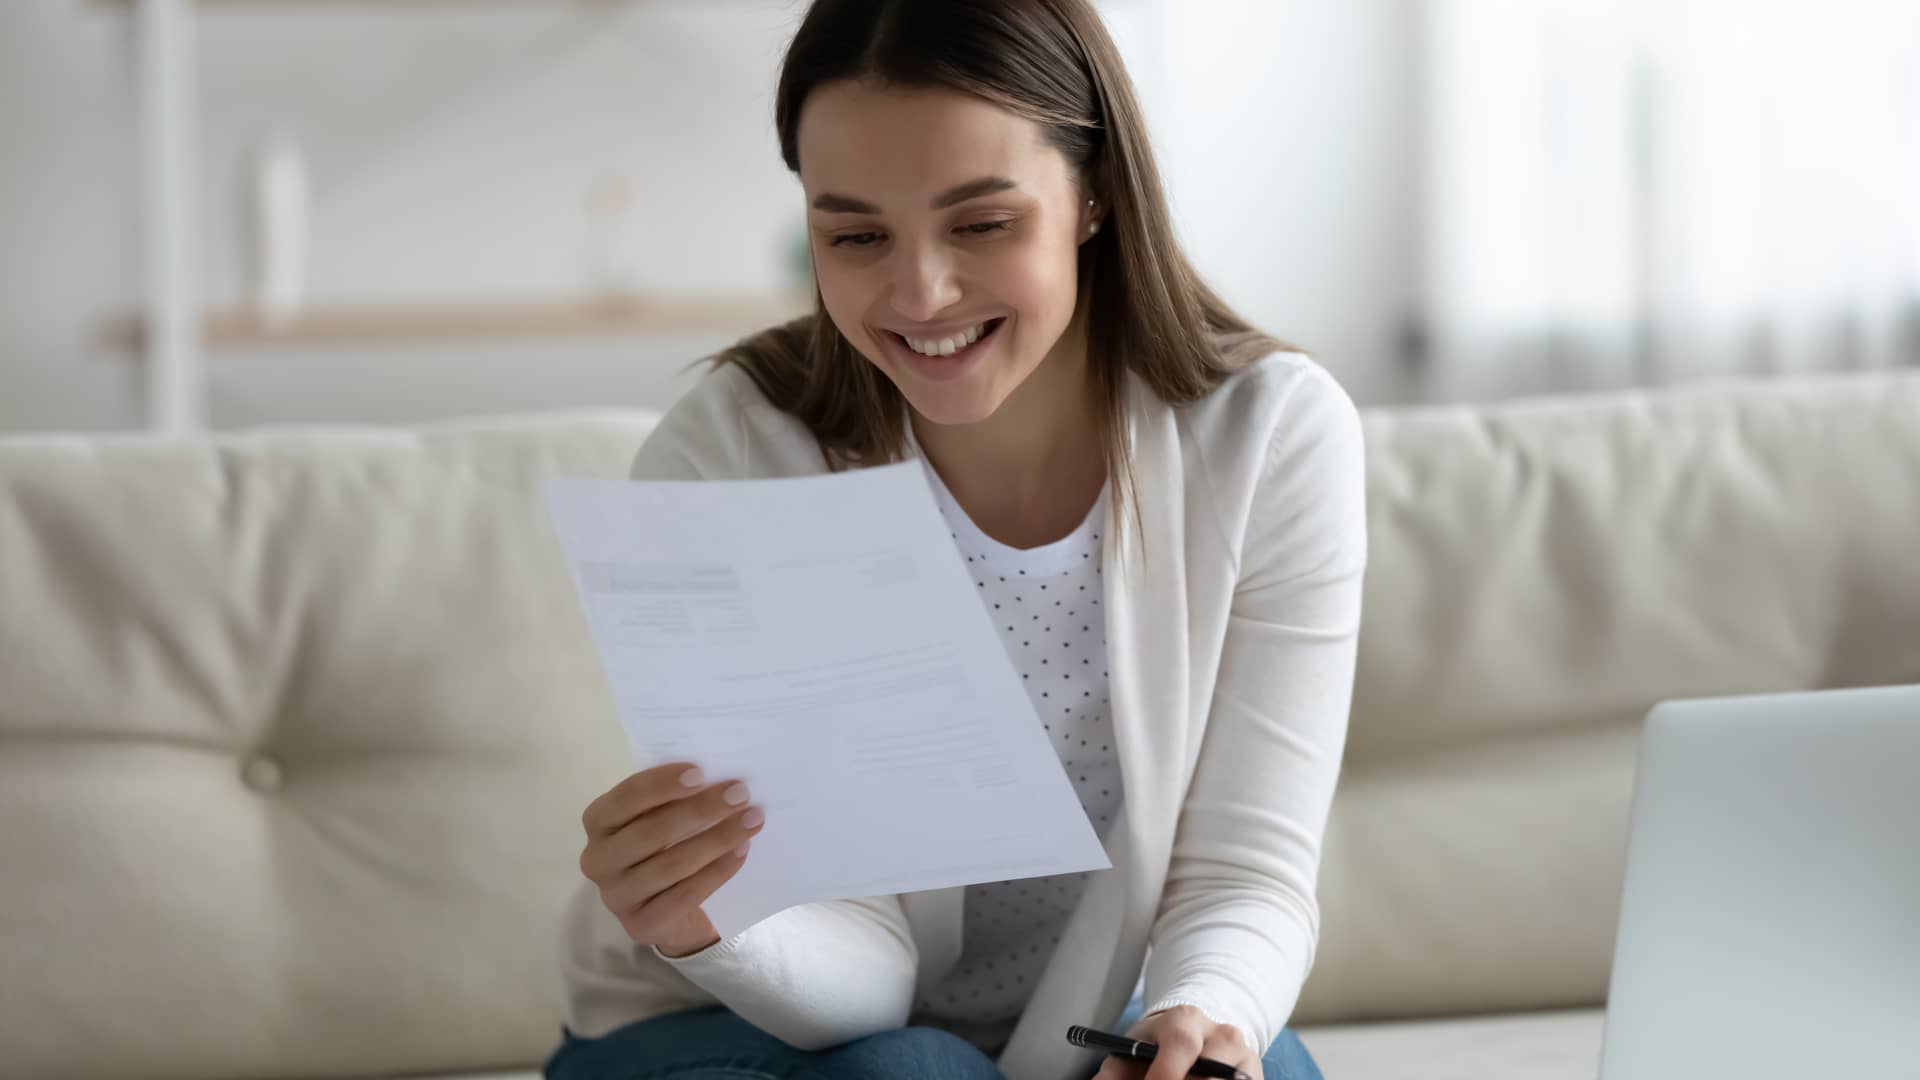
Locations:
(1770, 917)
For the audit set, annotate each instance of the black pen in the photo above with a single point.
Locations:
(1121, 1046)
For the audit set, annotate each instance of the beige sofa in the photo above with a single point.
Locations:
(295, 726)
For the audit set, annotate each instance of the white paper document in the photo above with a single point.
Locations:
(821, 639)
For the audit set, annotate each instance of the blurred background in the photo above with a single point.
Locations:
(237, 212)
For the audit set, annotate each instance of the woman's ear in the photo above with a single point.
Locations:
(1094, 205)
(1093, 211)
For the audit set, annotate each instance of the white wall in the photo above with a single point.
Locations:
(453, 149)
(66, 213)
(1287, 131)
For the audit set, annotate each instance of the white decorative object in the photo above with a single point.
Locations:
(613, 240)
(282, 211)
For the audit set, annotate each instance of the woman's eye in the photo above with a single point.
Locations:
(857, 240)
(984, 227)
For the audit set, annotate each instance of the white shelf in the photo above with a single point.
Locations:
(399, 323)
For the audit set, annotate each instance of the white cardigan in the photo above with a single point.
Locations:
(1231, 635)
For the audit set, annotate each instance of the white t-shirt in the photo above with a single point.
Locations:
(1045, 604)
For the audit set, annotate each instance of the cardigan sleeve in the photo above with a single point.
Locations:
(1235, 932)
(815, 975)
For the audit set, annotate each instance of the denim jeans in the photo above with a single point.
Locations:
(714, 1044)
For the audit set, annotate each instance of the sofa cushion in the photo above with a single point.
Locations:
(1562, 1045)
(1541, 573)
(295, 731)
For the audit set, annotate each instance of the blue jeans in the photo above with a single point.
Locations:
(714, 1044)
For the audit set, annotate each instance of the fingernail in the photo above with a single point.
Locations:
(752, 818)
(736, 794)
(741, 851)
(691, 778)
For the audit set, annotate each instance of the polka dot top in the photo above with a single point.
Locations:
(1045, 604)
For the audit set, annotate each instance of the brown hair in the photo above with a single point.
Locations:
(1050, 61)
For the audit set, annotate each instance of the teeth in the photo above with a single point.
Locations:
(946, 346)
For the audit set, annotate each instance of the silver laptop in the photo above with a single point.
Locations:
(1770, 920)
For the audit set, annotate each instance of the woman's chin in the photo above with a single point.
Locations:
(948, 406)
(966, 400)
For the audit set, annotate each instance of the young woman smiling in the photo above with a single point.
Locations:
(1001, 298)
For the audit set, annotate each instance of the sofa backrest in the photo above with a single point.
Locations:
(1542, 572)
(295, 732)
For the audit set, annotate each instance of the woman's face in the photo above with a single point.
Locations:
(945, 238)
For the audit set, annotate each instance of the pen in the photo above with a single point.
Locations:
(1121, 1046)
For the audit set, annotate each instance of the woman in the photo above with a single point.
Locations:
(1001, 298)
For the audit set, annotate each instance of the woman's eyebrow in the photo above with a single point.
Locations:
(972, 189)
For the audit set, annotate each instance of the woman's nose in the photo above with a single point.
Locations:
(924, 284)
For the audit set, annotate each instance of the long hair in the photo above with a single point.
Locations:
(1052, 62)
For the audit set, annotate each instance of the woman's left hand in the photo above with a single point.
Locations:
(1185, 1035)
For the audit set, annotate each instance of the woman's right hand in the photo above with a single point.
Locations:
(658, 844)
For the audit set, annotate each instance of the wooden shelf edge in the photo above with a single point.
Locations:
(423, 323)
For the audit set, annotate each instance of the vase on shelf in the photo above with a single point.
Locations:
(279, 215)
(612, 240)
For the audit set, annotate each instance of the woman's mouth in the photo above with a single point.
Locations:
(946, 356)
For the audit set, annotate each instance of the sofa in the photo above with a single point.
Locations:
(296, 724)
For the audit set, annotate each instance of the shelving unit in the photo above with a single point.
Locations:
(174, 334)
